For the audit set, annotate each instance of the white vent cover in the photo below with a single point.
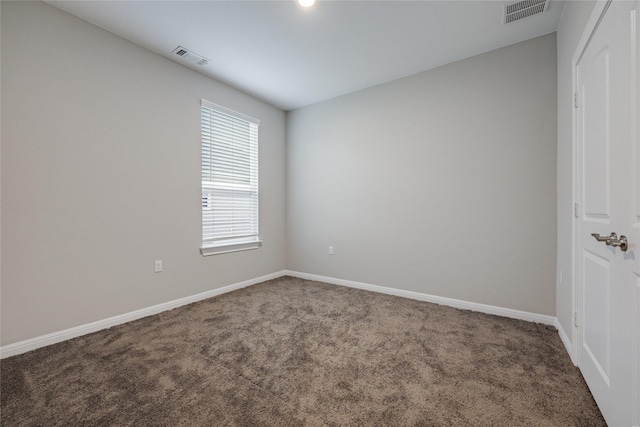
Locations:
(523, 9)
(190, 57)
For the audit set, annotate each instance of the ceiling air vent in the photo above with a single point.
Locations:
(190, 57)
(523, 9)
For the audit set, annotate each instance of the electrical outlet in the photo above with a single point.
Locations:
(330, 250)
(158, 266)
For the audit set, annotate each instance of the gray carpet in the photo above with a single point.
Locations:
(291, 352)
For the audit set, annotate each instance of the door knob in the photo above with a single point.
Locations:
(612, 240)
(621, 243)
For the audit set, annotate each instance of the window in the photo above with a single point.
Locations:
(229, 180)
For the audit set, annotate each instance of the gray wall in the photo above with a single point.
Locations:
(101, 176)
(572, 24)
(442, 183)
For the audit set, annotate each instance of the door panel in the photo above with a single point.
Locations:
(596, 327)
(595, 100)
(607, 186)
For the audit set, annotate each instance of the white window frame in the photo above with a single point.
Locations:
(233, 175)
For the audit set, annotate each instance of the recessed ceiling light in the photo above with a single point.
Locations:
(306, 3)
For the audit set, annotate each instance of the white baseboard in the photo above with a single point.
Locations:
(565, 340)
(465, 305)
(55, 337)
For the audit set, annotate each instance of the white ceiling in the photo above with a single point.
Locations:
(291, 56)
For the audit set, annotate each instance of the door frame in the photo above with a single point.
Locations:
(590, 28)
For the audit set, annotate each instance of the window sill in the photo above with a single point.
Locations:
(230, 247)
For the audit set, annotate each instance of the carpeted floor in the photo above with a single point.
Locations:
(292, 352)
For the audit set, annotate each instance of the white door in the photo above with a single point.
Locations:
(608, 196)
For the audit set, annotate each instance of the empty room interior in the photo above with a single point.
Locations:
(289, 213)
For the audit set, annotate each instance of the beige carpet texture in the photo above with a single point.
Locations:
(292, 352)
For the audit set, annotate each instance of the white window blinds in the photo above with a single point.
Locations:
(229, 179)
